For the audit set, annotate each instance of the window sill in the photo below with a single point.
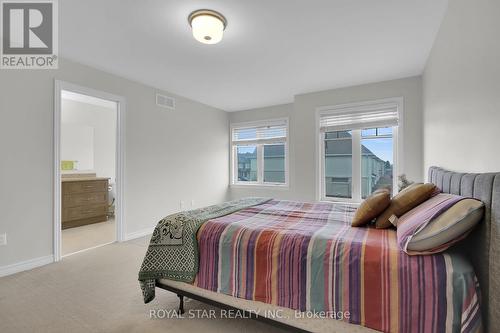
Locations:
(261, 186)
(341, 200)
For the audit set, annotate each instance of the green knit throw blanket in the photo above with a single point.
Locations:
(173, 249)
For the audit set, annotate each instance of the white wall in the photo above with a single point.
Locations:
(103, 121)
(169, 155)
(303, 139)
(462, 89)
(77, 144)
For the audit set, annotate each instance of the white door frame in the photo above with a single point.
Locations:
(59, 86)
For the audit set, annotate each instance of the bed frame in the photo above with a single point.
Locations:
(482, 247)
(183, 293)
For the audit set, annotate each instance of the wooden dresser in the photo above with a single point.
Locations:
(84, 201)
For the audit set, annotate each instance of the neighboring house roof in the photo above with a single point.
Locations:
(247, 156)
(333, 148)
(270, 151)
(344, 147)
(274, 151)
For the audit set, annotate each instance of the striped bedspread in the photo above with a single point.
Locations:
(306, 256)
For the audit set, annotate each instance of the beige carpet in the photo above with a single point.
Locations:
(97, 291)
(87, 236)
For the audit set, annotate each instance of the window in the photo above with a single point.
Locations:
(377, 160)
(259, 153)
(247, 163)
(338, 164)
(358, 149)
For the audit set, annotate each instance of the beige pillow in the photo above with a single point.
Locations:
(405, 201)
(371, 207)
(449, 226)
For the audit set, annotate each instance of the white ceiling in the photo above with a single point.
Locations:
(271, 51)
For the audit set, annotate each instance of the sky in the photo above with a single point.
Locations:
(246, 149)
(380, 147)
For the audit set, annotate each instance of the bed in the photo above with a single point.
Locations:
(296, 258)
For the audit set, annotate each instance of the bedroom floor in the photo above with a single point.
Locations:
(87, 236)
(97, 291)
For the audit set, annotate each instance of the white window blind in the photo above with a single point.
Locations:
(268, 133)
(359, 117)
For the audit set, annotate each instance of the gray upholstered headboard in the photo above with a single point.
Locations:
(482, 247)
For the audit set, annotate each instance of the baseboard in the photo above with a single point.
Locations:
(25, 265)
(139, 233)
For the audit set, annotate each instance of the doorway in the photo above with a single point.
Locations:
(88, 169)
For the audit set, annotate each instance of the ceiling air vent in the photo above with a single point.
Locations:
(165, 101)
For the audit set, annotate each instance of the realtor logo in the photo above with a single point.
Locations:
(29, 34)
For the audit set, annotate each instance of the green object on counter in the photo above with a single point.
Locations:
(68, 165)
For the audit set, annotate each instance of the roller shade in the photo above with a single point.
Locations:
(368, 116)
(268, 133)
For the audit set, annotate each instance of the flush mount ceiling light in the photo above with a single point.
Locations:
(208, 25)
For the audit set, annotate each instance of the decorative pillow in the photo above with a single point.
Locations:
(438, 223)
(404, 201)
(371, 207)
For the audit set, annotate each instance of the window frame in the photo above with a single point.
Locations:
(233, 181)
(397, 137)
